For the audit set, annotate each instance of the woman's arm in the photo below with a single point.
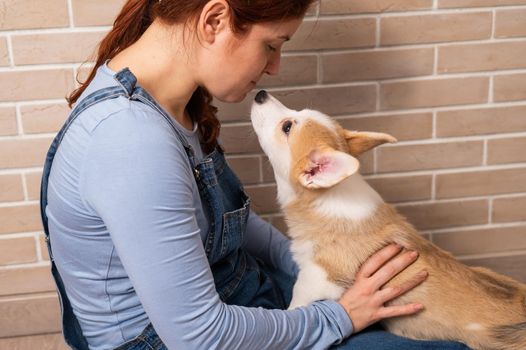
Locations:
(138, 181)
(270, 245)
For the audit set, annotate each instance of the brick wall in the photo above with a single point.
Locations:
(446, 77)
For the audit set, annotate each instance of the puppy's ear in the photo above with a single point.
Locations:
(360, 142)
(326, 168)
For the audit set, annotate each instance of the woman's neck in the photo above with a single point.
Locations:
(162, 67)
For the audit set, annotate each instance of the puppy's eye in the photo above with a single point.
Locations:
(287, 125)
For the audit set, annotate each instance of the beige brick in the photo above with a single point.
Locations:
(481, 57)
(331, 100)
(477, 3)
(43, 118)
(11, 188)
(95, 12)
(24, 14)
(29, 315)
(334, 34)
(43, 247)
(294, 70)
(435, 28)
(512, 266)
(366, 163)
(8, 121)
(373, 6)
(481, 121)
(263, 198)
(20, 219)
(509, 209)
(33, 185)
(449, 214)
(17, 251)
(372, 65)
(478, 183)
(429, 156)
(433, 93)
(482, 241)
(246, 168)
(507, 150)
(23, 153)
(4, 54)
(239, 139)
(412, 126)
(510, 23)
(42, 342)
(510, 87)
(35, 84)
(403, 188)
(55, 48)
(26, 280)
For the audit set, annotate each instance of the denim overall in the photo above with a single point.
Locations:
(240, 278)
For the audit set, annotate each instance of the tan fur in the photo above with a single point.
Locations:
(476, 306)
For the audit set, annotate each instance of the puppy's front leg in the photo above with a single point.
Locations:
(312, 285)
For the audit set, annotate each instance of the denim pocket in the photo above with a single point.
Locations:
(234, 226)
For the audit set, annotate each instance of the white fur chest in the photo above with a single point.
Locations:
(312, 283)
(352, 199)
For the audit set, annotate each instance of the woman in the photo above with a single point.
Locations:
(151, 237)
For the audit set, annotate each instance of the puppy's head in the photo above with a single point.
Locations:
(307, 148)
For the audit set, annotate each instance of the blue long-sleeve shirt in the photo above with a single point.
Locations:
(127, 227)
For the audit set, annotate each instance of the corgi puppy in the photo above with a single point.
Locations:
(336, 221)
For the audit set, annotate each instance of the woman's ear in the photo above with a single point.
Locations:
(326, 168)
(360, 142)
(214, 17)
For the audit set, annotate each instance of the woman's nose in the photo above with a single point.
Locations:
(273, 64)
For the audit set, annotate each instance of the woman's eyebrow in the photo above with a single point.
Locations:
(284, 37)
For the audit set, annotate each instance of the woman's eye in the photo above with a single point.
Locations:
(286, 126)
(271, 48)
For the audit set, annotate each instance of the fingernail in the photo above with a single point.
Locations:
(420, 307)
(414, 254)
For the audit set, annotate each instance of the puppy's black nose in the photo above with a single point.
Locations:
(261, 97)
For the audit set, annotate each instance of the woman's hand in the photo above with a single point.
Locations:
(364, 301)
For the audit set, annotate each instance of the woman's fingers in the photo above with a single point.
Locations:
(392, 268)
(390, 293)
(399, 310)
(377, 260)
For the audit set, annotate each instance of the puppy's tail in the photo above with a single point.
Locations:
(512, 337)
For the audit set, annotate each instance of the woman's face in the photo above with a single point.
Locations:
(233, 65)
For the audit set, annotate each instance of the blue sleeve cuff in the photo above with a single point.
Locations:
(340, 317)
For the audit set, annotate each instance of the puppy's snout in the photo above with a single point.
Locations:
(261, 97)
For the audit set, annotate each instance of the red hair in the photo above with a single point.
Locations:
(137, 15)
